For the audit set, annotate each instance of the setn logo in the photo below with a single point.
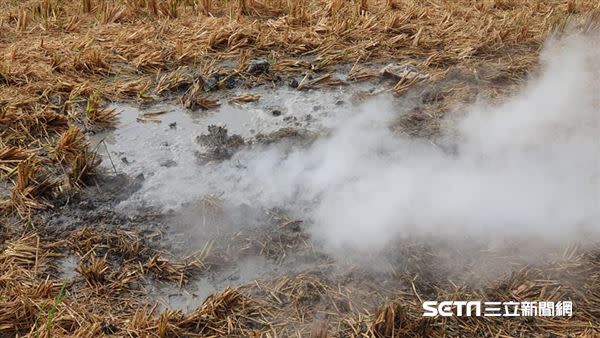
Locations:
(497, 309)
(445, 308)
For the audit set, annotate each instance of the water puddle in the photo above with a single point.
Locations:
(159, 143)
(159, 146)
(191, 296)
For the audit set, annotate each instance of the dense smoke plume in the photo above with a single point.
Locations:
(527, 168)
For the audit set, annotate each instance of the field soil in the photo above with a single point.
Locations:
(127, 126)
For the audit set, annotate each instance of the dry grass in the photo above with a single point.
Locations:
(104, 296)
(57, 55)
(62, 62)
(244, 98)
(69, 144)
(31, 187)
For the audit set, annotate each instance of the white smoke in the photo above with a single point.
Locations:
(527, 168)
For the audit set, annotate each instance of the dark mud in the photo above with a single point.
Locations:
(94, 206)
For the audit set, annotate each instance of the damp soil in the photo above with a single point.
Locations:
(156, 153)
(167, 174)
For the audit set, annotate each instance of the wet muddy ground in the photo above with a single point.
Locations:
(167, 149)
(205, 188)
(158, 181)
(178, 178)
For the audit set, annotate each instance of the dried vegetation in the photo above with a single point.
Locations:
(61, 62)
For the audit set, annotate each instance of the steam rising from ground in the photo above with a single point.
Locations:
(527, 168)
